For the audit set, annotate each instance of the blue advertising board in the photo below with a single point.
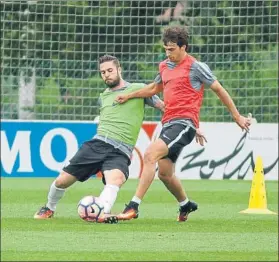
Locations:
(40, 148)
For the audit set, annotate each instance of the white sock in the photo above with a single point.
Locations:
(136, 199)
(184, 202)
(108, 197)
(54, 195)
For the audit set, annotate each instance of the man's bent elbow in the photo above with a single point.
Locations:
(216, 87)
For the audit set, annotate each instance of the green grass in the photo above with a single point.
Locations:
(215, 232)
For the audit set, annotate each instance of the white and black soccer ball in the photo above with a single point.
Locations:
(90, 208)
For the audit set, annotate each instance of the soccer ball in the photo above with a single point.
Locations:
(90, 208)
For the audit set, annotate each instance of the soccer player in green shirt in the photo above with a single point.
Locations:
(111, 148)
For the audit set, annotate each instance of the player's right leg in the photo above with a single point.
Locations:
(56, 192)
(155, 151)
(84, 163)
(173, 184)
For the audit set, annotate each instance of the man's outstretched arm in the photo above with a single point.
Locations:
(147, 91)
(243, 122)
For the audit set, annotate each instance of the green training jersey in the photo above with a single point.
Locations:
(121, 122)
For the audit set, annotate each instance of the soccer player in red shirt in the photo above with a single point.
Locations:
(181, 78)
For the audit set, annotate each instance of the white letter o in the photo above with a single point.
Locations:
(45, 148)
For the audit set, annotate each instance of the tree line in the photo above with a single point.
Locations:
(62, 40)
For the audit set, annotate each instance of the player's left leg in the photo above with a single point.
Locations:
(173, 184)
(114, 180)
(167, 176)
(177, 136)
(115, 170)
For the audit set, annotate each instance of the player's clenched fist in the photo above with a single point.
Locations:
(122, 98)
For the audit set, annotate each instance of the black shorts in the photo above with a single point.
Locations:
(176, 136)
(94, 156)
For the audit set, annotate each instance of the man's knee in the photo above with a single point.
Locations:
(64, 180)
(149, 157)
(165, 176)
(166, 169)
(161, 176)
(155, 152)
(60, 183)
(118, 181)
(115, 177)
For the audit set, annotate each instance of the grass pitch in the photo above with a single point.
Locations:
(215, 232)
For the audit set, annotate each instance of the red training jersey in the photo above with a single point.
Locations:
(180, 98)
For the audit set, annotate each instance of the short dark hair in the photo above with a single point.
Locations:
(176, 34)
(108, 58)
